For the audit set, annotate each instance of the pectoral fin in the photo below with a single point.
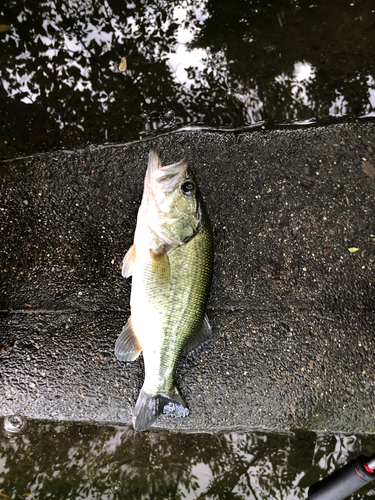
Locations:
(127, 347)
(128, 262)
(160, 265)
(200, 336)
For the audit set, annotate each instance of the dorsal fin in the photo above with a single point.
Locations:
(201, 335)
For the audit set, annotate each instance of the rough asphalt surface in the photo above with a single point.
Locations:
(292, 309)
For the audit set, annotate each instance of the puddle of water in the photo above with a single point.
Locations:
(61, 460)
(187, 64)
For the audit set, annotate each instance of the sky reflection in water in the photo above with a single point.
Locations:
(82, 461)
(215, 64)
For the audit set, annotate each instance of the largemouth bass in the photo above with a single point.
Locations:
(171, 264)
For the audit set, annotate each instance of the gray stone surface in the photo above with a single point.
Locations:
(292, 309)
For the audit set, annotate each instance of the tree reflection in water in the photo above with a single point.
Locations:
(75, 461)
(213, 63)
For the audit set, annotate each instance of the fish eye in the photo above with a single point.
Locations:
(188, 188)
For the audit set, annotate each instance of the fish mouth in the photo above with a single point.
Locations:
(167, 177)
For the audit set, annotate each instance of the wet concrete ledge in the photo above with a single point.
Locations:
(292, 308)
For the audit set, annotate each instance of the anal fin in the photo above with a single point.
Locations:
(201, 335)
(127, 347)
(128, 262)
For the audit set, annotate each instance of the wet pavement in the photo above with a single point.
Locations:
(292, 308)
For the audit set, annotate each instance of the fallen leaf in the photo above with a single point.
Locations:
(353, 249)
(5, 27)
(368, 169)
(326, 251)
(123, 64)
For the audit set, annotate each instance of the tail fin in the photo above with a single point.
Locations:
(151, 405)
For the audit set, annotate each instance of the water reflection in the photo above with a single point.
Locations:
(13, 424)
(210, 63)
(82, 461)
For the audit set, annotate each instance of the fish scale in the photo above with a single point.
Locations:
(190, 307)
(181, 305)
